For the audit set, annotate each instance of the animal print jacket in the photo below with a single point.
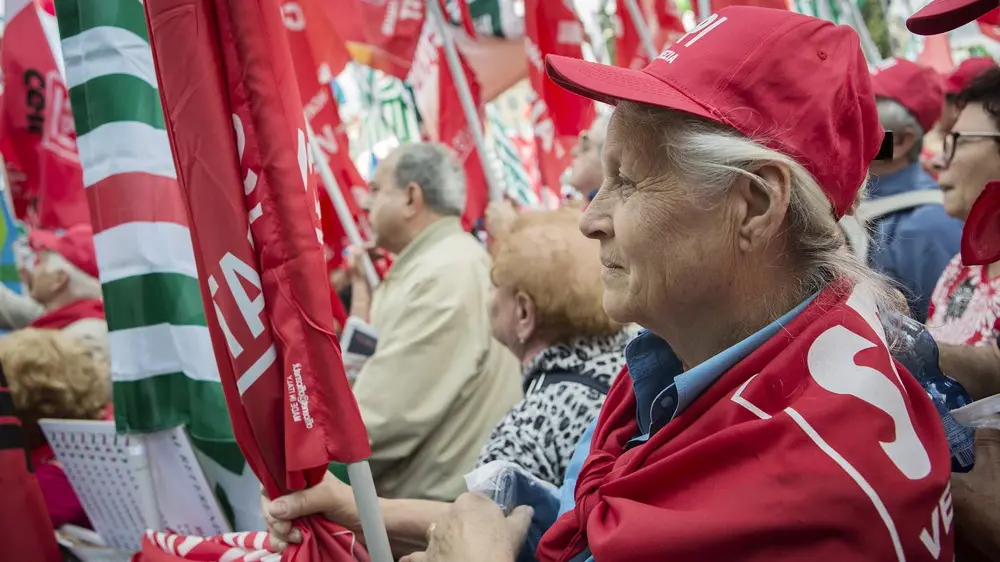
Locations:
(540, 432)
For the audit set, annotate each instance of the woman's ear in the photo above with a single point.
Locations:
(762, 205)
(524, 307)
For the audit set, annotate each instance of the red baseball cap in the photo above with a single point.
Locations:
(981, 233)
(794, 83)
(915, 87)
(75, 244)
(942, 16)
(966, 71)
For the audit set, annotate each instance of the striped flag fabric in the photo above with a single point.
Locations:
(507, 162)
(387, 97)
(162, 361)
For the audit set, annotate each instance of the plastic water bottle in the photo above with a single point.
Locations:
(918, 352)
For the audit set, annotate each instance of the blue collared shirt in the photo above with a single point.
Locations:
(913, 246)
(663, 390)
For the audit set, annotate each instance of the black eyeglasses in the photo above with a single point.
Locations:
(952, 140)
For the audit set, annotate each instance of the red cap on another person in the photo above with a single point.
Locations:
(796, 84)
(966, 71)
(942, 16)
(75, 244)
(915, 87)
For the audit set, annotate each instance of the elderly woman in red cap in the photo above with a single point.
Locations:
(761, 416)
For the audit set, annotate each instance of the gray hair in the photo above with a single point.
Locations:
(711, 157)
(895, 117)
(80, 285)
(435, 170)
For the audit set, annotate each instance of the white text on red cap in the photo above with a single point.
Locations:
(699, 31)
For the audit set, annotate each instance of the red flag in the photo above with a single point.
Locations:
(306, 23)
(381, 34)
(37, 135)
(244, 170)
(317, 56)
(436, 96)
(661, 19)
(558, 116)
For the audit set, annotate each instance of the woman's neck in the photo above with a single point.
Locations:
(530, 350)
(725, 320)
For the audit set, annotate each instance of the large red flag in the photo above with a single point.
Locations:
(318, 55)
(558, 116)
(436, 96)
(237, 132)
(37, 134)
(661, 19)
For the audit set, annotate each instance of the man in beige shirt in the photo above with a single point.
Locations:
(438, 381)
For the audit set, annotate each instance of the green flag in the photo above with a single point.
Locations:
(162, 363)
(508, 162)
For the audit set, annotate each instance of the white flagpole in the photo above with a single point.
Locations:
(340, 205)
(640, 24)
(359, 473)
(465, 97)
(858, 23)
(704, 10)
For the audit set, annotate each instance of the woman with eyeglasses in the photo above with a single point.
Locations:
(965, 305)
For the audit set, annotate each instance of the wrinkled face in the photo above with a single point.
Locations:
(45, 281)
(662, 252)
(387, 205)
(974, 161)
(585, 172)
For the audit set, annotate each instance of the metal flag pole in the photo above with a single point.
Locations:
(640, 24)
(704, 10)
(858, 23)
(363, 486)
(359, 473)
(340, 205)
(465, 97)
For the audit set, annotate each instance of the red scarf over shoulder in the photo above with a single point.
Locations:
(77, 310)
(818, 446)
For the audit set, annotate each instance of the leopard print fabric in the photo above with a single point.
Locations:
(540, 432)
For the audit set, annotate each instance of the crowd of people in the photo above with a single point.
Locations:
(698, 364)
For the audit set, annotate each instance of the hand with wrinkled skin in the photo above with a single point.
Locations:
(331, 498)
(475, 529)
